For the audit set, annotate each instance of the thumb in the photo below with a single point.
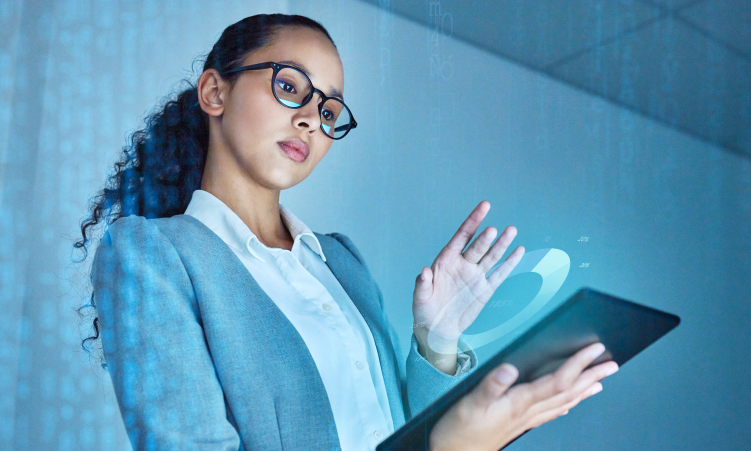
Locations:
(497, 382)
(424, 284)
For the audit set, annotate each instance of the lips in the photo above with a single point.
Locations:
(295, 149)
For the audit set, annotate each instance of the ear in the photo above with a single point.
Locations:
(211, 92)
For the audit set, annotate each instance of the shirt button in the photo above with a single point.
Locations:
(359, 365)
(326, 307)
(377, 435)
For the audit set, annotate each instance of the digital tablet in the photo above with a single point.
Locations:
(624, 327)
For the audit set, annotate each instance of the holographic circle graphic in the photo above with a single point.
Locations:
(553, 265)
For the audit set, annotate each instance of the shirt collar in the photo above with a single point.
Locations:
(298, 229)
(218, 217)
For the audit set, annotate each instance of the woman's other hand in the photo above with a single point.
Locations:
(492, 415)
(450, 294)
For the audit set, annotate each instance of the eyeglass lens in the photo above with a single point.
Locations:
(291, 88)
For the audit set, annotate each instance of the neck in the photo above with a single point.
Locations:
(255, 205)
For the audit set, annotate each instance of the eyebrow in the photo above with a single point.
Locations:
(333, 92)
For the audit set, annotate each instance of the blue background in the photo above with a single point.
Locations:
(667, 216)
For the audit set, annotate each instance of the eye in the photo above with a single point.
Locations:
(286, 86)
(328, 115)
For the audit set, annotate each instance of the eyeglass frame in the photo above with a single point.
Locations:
(278, 67)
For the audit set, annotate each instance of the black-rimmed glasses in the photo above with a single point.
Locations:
(293, 89)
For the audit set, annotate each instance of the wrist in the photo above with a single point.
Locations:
(443, 359)
(433, 342)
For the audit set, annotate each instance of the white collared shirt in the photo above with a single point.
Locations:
(303, 287)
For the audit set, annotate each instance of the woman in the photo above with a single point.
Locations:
(227, 324)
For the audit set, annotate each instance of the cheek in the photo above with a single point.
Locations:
(323, 152)
(314, 159)
(256, 120)
(252, 129)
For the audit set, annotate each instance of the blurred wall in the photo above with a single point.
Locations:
(78, 77)
(667, 218)
(442, 126)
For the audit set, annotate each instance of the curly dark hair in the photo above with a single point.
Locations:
(163, 163)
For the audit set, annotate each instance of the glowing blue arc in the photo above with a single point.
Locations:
(553, 265)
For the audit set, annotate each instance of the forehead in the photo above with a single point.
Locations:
(308, 50)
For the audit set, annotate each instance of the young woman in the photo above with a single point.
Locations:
(226, 323)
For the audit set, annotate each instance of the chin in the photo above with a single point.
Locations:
(285, 180)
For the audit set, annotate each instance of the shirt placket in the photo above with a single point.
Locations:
(366, 398)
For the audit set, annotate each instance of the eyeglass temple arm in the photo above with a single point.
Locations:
(251, 67)
(342, 128)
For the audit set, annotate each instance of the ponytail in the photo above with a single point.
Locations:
(162, 164)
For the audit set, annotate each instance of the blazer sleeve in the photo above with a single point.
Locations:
(425, 383)
(154, 345)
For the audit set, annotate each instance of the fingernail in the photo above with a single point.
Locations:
(505, 375)
(598, 350)
(564, 413)
(612, 370)
(597, 389)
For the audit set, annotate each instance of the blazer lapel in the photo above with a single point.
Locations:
(361, 288)
(250, 338)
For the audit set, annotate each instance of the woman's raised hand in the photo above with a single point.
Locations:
(450, 294)
(492, 415)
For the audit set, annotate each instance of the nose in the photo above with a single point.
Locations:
(308, 116)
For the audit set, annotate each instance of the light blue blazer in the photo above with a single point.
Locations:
(202, 359)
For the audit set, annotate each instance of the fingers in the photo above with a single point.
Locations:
(495, 384)
(494, 395)
(424, 285)
(477, 252)
(490, 258)
(468, 228)
(590, 391)
(578, 391)
(551, 414)
(496, 278)
(546, 398)
(552, 384)
(575, 365)
(480, 245)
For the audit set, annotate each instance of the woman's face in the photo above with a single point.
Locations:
(253, 124)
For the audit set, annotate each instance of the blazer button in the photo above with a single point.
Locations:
(326, 307)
